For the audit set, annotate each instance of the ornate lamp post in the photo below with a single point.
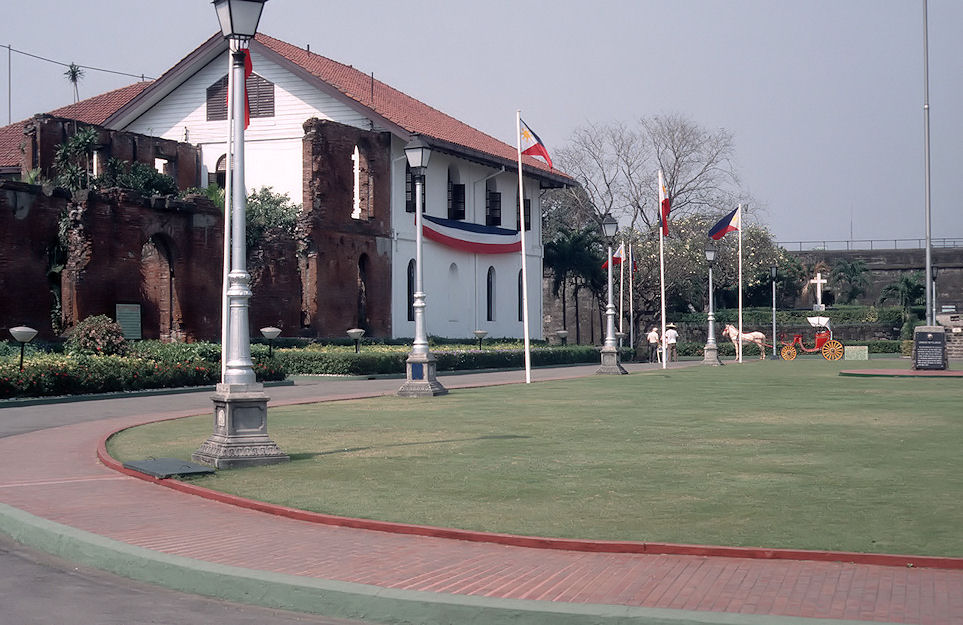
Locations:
(610, 353)
(240, 435)
(23, 335)
(711, 356)
(772, 274)
(420, 369)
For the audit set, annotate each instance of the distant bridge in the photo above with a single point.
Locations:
(867, 244)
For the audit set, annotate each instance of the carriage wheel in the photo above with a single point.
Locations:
(832, 350)
(788, 352)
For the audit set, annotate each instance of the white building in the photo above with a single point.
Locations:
(472, 177)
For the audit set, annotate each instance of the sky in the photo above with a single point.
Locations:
(823, 98)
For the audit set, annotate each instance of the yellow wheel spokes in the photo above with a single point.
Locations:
(788, 352)
(832, 350)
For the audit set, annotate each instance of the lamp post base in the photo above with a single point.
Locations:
(240, 437)
(420, 380)
(711, 355)
(610, 363)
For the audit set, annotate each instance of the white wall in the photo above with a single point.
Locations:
(272, 144)
(456, 307)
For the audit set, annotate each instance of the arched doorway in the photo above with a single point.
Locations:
(161, 314)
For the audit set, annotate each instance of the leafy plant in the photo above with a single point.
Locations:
(137, 176)
(270, 214)
(98, 336)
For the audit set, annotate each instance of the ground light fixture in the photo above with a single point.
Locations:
(562, 336)
(480, 334)
(610, 354)
(270, 333)
(711, 353)
(356, 334)
(23, 335)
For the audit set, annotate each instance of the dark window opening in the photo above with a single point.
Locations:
(493, 208)
(456, 200)
(260, 98)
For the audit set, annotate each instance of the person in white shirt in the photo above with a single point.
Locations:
(653, 339)
(671, 336)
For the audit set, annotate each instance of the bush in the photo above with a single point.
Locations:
(97, 336)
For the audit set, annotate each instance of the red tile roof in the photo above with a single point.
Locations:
(91, 111)
(397, 107)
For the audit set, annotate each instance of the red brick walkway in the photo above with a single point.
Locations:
(54, 474)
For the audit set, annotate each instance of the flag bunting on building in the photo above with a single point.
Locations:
(531, 145)
(729, 223)
(617, 257)
(664, 205)
(469, 237)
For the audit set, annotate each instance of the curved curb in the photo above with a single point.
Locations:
(534, 542)
(343, 599)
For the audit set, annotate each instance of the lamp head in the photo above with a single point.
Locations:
(710, 252)
(356, 333)
(610, 225)
(238, 18)
(270, 332)
(23, 334)
(772, 271)
(418, 152)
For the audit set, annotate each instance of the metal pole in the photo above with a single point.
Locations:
(610, 310)
(239, 367)
(774, 318)
(420, 344)
(22, 345)
(930, 312)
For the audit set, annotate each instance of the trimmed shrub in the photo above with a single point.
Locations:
(97, 336)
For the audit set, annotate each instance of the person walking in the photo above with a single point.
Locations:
(671, 337)
(653, 338)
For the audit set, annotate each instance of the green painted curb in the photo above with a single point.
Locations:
(344, 599)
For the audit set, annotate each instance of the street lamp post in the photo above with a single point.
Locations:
(610, 352)
(23, 335)
(772, 274)
(711, 356)
(420, 367)
(240, 435)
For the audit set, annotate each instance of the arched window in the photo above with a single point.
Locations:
(521, 297)
(490, 299)
(411, 290)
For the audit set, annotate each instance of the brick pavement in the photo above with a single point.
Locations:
(70, 487)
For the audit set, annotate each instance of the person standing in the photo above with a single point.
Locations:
(671, 337)
(653, 338)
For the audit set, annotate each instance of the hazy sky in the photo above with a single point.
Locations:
(824, 98)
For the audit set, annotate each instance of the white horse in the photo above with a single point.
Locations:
(747, 337)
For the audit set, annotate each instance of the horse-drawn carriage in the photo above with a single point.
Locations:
(830, 348)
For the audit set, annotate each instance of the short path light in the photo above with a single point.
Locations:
(562, 336)
(270, 333)
(356, 334)
(480, 334)
(23, 335)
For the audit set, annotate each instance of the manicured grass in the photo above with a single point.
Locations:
(776, 454)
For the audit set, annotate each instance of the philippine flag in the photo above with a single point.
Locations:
(469, 237)
(664, 205)
(730, 223)
(616, 257)
(531, 145)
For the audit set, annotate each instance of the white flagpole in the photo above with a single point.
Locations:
(621, 289)
(521, 230)
(631, 298)
(662, 271)
(739, 342)
(228, 184)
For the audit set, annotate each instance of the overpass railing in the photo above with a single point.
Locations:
(867, 244)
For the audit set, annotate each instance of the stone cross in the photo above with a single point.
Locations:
(819, 281)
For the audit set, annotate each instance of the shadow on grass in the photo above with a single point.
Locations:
(348, 450)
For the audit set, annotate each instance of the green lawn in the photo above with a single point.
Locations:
(777, 454)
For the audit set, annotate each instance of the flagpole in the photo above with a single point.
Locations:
(621, 289)
(662, 272)
(739, 342)
(631, 298)
(521, 229)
